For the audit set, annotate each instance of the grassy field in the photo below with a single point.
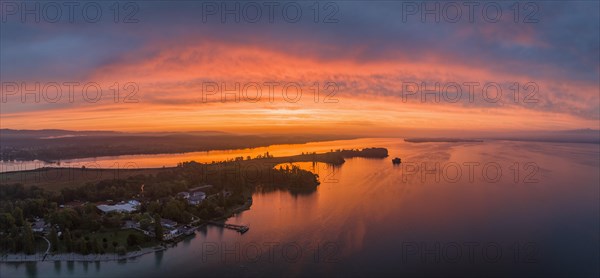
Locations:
(120, 238)
(55, 179)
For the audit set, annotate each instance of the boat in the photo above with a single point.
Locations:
(396, 160)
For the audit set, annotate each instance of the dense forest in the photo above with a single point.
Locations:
(79, 224)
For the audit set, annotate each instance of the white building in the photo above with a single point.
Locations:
(196, 198)
(120, 207)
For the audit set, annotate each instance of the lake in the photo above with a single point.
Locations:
(496, 208)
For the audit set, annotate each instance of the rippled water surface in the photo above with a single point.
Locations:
(492, 208)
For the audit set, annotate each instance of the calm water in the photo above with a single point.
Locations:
(171, 160)
(495, 208)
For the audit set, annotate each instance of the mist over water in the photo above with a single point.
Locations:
(491, 208)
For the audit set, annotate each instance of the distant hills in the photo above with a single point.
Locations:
(55, 144)
(50, 133)
(58, 144)
(562, 136)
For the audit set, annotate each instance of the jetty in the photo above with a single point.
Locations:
(239, 228)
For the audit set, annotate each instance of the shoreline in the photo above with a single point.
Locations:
(74, 257)
(190, 151)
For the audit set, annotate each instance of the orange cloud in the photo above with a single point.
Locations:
(367, 97)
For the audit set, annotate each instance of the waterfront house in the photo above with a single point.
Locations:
(196, 198)
(171, 230)
(168, 224)
(172, 234)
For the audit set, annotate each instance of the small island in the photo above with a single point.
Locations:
(140, 211)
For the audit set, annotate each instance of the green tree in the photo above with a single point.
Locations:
(28, 241)
(53, 239)
(7, 222)
(95, 246)
(175, 210)
(132, 240)
(158, 229)
(16, 244)
(68, 240)
(66, 218)
(153, 207)
(7, 244)
(18, 215)
(222, 198)
(145, 223)
(83, 247)
(121, 250)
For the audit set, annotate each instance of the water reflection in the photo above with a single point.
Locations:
(57, 266)
(70, 267)
(369, 218)
(158, 257)
(170, 160)
(31, 269)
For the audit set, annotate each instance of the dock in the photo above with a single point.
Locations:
(239, 228)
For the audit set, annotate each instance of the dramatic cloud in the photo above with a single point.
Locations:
(181, 56)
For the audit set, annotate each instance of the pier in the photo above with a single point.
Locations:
(239, 228)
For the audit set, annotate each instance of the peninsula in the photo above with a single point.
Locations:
(140, 210)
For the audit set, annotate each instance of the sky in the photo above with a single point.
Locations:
(346, 67)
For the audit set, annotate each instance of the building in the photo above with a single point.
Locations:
(184, 195)
(120, 207)
(130, 224)
(172, 234)
(168, 224)
(196, 198)
(170, 229)
(38, 226)
(195, 195)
